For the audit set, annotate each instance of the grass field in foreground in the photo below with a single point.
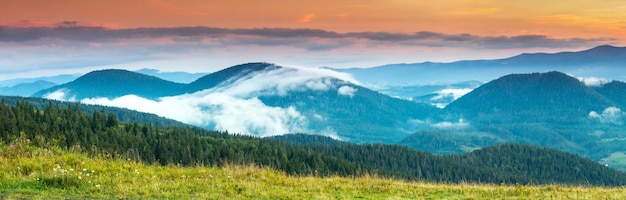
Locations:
(36, 173)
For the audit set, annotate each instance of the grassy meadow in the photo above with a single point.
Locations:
(29, 172)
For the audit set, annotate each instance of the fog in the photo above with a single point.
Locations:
(235, 107)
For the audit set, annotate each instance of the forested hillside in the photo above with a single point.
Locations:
(124, 115)
(98, 133)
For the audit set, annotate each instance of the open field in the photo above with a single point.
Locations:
(36, 173)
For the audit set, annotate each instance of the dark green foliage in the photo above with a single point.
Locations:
(98, 133)
(124, 115)
(616, 91)
(308, 139)
(440, 142)
(540, 165)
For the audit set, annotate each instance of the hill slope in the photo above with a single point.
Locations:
(119, 179)
(545, 109)
(99, 134)
(615, 91)
(544, 97)
(113, 83)
(26, 89)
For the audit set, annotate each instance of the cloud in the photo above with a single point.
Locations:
(217, 111)
(461, 124)
(35, 48)
(306, 18)
(60, 95)
(455, 93)
(446, 96)
(78, 31)
(610, 115)
(346, 91)
(593, 81)
(235, 106)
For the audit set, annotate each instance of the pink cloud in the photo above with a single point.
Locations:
(306, 18)
(27, 23)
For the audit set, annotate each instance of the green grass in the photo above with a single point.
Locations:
(35, 173)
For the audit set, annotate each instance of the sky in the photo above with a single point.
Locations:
(41, 37)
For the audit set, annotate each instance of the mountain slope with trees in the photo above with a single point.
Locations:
(99, 133)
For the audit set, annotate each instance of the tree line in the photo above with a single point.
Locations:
(100, 133)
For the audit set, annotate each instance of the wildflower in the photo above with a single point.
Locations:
(80, 177)
(98, 186)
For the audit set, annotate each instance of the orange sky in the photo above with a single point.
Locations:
(575, 18)
(347, 33)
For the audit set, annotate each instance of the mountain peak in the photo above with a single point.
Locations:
(113, 83)
(542, 93)
(231, 73)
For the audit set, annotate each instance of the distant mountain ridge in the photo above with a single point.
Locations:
(602, 61)
(26, 89)
(29, 86)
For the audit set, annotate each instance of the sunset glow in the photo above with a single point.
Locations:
(53, 35)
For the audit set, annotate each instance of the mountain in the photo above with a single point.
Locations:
(259, 99)
(615, 91)
(552, 96)
(363, 116)
(545, 109)
(549, 109)
(58, 79)
(26, 89)
(602, 61)
(179, 77)
(114, 83)
(228, 76)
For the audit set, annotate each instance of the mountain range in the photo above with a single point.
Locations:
(28, 86)
(551, 108)
(256, 98)
(602, 61)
